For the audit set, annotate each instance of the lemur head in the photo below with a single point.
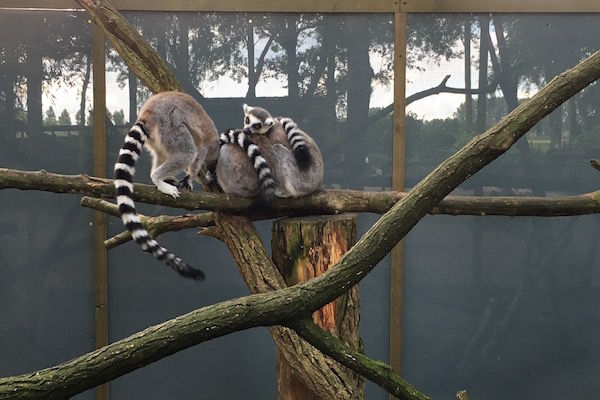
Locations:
(257, 120)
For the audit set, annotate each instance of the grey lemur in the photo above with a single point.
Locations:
(180, 136)
(268, 157)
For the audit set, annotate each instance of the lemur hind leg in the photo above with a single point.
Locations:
(171, 167)
(177, 152)
(194, 169)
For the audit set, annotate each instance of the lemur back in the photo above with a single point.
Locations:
(292, 158)
(180, 136)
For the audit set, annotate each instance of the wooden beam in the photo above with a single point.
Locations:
(337, 6)
(398, 169)
(99, 219)
(504, 6)
(341, 6)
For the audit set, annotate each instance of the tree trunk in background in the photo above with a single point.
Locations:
(304, 248)
(133, 84)
(330, 85)
(509, 82)
(83, 137)
(252, 79)
(574, 128)
(183, 53)
(289, 43)
(360, 75)
(481, 123)
(468, 97)
(34, 74)
(555, 117)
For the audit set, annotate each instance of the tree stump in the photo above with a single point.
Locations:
(303, 248)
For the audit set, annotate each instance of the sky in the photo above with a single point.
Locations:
(428, 75)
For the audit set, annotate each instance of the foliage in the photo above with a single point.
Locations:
(50, 118)
(64, 118)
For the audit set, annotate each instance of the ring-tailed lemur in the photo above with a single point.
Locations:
(269, 155)
(180, 136)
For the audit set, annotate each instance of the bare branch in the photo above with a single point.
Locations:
(319, 203)
(155, 226)
(441, 88)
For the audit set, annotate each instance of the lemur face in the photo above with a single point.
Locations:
(257, 120)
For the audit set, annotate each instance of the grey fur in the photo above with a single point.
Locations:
(236, 174)
(180, 136)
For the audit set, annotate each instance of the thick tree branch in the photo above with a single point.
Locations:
(139, 56)
(322, 202)
(376, 371)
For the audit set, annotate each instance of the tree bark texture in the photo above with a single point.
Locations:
(302, 249)
(322, 202)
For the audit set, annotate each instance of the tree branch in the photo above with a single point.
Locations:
(376, 371)
(441, 88)
(322, 202)
(155, 226)
(139, 56)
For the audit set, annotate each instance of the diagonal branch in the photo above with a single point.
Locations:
(139, 56)
(376, 371)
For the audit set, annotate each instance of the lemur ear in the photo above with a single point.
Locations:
(246, 108)
(269, 121)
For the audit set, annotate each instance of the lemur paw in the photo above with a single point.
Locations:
(211, 176)
(167, 188)
(186, 183)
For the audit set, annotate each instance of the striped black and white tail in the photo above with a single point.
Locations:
(265, 177)
(124, 171)
(299, 148)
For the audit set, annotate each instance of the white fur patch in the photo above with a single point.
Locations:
(130, 217)
(133, 154)
(125, 200)
(252, 149)
(136, 142)
(125, 167)
(258, 161)
(241, 138)
(122, 182)
(138, 234)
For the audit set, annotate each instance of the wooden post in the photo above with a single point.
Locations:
(99, 149)
(303, 248)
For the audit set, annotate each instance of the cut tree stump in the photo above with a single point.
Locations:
(303, 248)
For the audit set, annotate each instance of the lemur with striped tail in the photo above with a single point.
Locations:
(268, 157)
(179, 136)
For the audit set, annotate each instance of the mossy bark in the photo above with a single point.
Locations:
(323, 202)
